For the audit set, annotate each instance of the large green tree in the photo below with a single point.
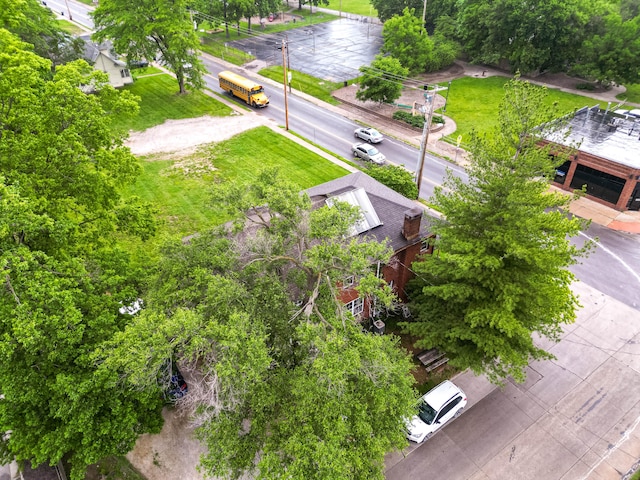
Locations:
(611, 54)
(500, 275)
(534, 35)
(37, 26)
(284, 382)
(406, 39)
(63, 278)
(153, 29)
(382, 81)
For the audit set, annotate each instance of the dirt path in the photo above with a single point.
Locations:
(181, 137)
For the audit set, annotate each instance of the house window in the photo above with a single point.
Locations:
(356, 307)
(425, 244)
(348, 282)
(124, 73)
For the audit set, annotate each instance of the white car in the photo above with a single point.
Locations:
(370, 135)
(368, 153)
(436, 407)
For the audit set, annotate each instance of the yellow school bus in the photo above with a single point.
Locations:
(243, 88)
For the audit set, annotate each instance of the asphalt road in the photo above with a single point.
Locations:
(613, 267)
(333, 131)
(71, 10)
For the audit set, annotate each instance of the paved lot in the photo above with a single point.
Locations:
(575, 418)
(333, 50)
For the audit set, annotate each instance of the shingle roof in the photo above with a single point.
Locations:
(388, 204)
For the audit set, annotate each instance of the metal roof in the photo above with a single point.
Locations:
(608, 135)
(359, 198)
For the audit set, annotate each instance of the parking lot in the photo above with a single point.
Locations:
(333, 50)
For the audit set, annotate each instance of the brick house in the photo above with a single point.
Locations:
(387, 215)
(607, 159)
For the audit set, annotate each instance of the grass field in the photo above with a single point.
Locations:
(473, 103)
(631, 95)
(358, 7)
(182, 199)
(161, 101)
(304, 83)
(70, 27)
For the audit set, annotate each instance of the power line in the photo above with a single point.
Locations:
(278, 37)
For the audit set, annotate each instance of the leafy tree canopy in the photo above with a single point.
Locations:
(64, 279)
(499, 275)
(382, 81)
(396, 177)
(538, 35)
(37, 26)
(153, 29)
(612, 54)
(283, 381)
(404, 38)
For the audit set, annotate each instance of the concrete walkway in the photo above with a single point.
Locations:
(576, 417)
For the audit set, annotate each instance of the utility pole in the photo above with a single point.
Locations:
(284, 69)
(424, 14)
(68, 9)
(425, 139)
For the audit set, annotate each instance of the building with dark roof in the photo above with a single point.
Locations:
(607, 159)
(387, 216)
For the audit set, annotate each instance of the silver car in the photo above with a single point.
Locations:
(368, 153)
(370, 135)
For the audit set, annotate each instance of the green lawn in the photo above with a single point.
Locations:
(70, 27)
(359, 7)
(302, 82)
(473, 103)
(161, 101)
(182, 199)
(632, 94)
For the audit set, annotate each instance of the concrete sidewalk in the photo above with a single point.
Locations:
(576, 417)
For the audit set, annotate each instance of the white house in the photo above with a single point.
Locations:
(103, 58)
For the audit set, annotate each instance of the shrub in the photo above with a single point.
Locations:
(416, 121)
(396, 178)
(586, 86)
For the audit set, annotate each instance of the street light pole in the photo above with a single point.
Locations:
(444, 109)
(425, 139)
(284, 69)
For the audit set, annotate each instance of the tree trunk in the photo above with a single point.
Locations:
(226, 20)
(180, 78)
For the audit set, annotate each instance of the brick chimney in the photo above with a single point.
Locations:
(411, 227)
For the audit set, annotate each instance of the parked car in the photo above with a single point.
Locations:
(370, 135)
(435, 408)
(368, 153)
(142, 63)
